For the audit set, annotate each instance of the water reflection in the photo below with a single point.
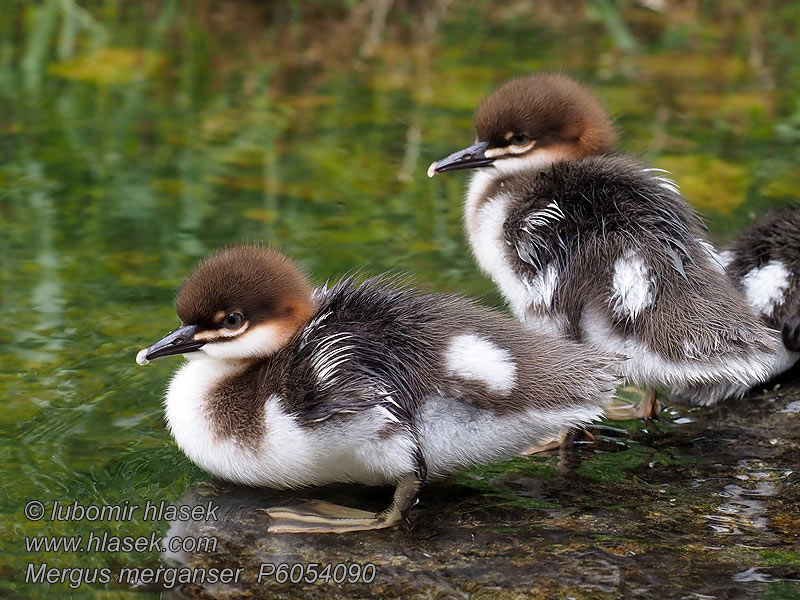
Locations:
(741, 511)
(754, 574)
(744, 509)
(136, 137)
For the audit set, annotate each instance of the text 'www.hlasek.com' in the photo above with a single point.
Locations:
(165, 577)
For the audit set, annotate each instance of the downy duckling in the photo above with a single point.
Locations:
(595, 247)
(764, 263)
(368, 382)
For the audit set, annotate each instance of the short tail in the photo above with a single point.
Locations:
(791, 333)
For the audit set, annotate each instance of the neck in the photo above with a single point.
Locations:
(534, 161)
(484, 182)
(300, 312)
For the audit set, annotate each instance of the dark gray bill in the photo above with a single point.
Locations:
(180, 341)
(468, 158)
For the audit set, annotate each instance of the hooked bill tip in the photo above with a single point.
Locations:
(432, 169)
(141, 357)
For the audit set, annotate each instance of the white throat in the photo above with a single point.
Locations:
(484, 177)
(530, 161)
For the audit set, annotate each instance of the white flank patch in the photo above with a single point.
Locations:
(352, 449)
(706, 395)
(473, 357)
(765, 287)
(455, 435)
(645, 367)
(543, 287)
(256, 342)
(632, 287)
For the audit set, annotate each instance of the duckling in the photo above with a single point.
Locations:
(597, 248)
(764, 263)
(364, 381)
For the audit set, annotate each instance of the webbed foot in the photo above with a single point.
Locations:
(317, 516)
(565, 440)
(647, 408)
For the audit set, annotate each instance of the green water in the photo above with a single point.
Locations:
(137, 137)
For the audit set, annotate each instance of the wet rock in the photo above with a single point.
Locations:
(702, 503)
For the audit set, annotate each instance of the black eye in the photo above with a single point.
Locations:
(520, 139)
(233, 320)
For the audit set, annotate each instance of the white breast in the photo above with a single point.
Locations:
(484, 219)
(350, 449)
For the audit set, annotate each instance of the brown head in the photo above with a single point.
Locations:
(246, 303)
(531, 121)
